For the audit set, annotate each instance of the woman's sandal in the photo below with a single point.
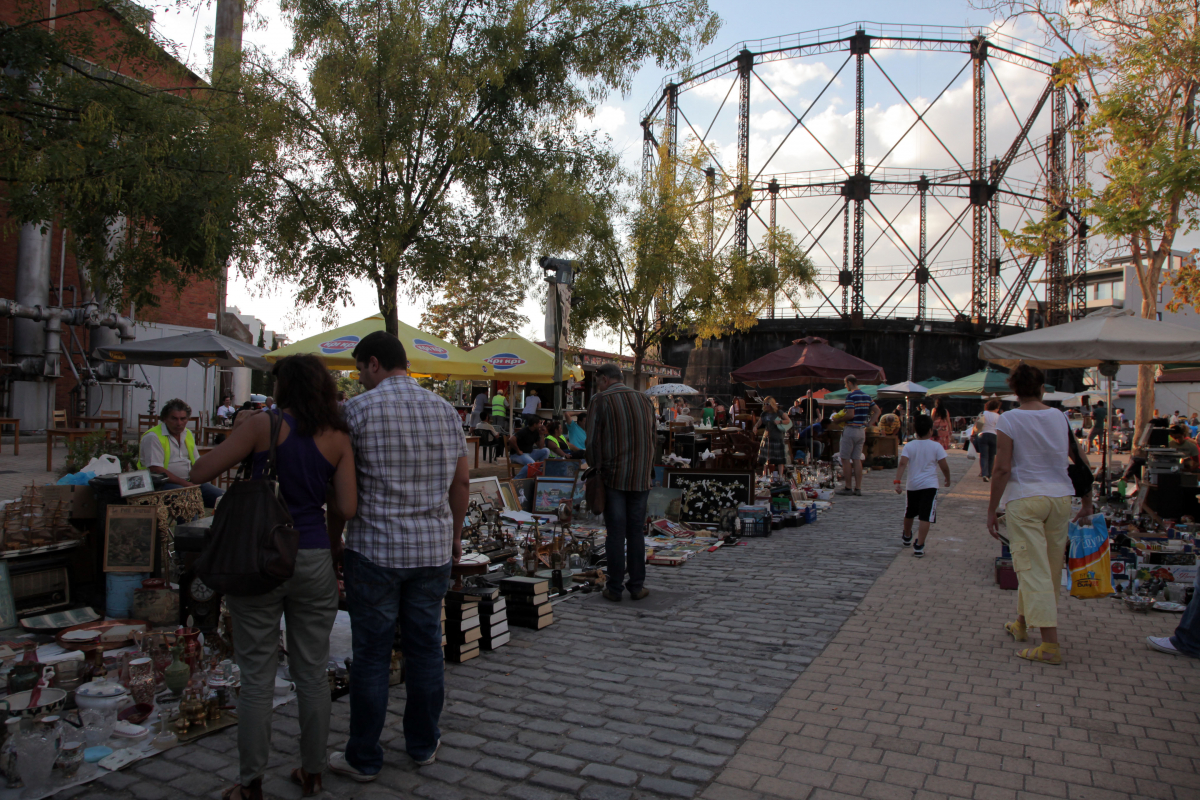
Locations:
(239, 792)
(1017, 631)
(309, 783)
(1044, 653)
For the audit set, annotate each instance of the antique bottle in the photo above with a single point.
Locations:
(8, 753)
(141, 680)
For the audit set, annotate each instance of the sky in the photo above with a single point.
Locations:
(783, 90)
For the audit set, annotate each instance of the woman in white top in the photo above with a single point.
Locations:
(985, 442)
(1030, 476)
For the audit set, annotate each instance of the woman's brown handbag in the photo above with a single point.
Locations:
(593, 490)
(251, 547)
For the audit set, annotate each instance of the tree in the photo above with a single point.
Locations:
(481, 301)
(419, 117)
(1138, 67)
(102, 130)
(648, 274)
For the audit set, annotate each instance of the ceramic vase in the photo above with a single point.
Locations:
(141, 680)
(178, 674)
(192, 650)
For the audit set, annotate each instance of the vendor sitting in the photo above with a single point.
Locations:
(527, 446)
(170, 449)
(1187, 447)
(558, 444)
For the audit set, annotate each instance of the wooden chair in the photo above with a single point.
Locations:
(119, 433)
(144, 423)
(743, 452)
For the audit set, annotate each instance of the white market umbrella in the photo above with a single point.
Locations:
(670, 389)
(904, 389)
(1105, 338)
(1109, 334)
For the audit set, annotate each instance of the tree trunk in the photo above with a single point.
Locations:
(387, 286)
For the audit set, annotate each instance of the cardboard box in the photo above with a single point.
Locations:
(78, 501)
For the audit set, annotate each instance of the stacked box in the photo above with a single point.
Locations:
(528, 602)
(460, 629)
(493, 622)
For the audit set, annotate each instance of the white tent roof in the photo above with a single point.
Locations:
(1106, 335)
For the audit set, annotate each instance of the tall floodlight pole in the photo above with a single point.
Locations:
(773, 188)
(560, 275)
(741, 235)
(922, 268)
(860, 182)
(226, 71)
(980, 188)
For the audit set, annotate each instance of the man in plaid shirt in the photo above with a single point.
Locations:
(413, 484)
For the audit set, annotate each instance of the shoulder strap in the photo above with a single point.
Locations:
(276, 425)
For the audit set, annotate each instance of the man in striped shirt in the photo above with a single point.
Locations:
(864, 412)
(621, 436)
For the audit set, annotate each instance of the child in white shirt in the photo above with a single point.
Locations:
(925, 456)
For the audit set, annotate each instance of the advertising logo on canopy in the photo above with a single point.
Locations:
(432, 349)
(503, 361)
(339, 345)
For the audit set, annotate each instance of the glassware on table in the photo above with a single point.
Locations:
(70, 758)
(36, 753)
(97, 726)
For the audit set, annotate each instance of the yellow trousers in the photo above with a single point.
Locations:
(1037, 537)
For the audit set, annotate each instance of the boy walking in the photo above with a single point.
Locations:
(925, 456)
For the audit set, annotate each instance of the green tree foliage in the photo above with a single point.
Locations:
(98, 123)
(423, 126)
(481, 301)
(647, 273)
(1138, 67)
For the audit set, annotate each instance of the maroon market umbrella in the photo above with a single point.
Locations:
(807, 360)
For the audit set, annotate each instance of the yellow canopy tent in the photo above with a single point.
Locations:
(427, 354)
(514, 358)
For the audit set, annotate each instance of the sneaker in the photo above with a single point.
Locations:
(906, 540)
(1162, 644)
(614, 596)
(339, 764)
(858, 492)
(640, 594)
(845, 491)
(918, 551)
(986, 479)
(425, 762)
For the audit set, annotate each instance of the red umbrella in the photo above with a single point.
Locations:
(807, 360)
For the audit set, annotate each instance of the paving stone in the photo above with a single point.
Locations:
(610, 774)
(556, 761)
(667, 786)
(505, 769)
(557, 780)
(598, 792)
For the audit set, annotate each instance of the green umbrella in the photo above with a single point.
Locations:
(986, 381)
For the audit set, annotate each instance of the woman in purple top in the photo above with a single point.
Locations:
(313, 453)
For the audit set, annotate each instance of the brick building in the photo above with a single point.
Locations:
(194, 308)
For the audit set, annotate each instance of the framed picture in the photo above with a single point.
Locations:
(508, 491)
(550, 492)
(489, 489)
(706, 493)
(129, 538)
(665, 504)
(138, 482)
(562, 468)
(524, 488)
(8, 610)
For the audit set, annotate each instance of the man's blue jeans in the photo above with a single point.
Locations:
(1187, 634)
(379, 598)
(625, 546)
(540, 454)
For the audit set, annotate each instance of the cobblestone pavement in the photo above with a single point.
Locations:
(920, 695)
(609, 702)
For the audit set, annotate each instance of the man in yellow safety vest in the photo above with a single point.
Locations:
(170, 449)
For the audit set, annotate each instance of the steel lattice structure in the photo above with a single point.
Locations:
(988, 188)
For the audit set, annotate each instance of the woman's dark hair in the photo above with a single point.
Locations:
(992, 405)
(1026, 381)
(708, 403)
(939, 410)
(304, 386)
(552, 427)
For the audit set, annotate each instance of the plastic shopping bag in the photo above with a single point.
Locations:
(103, 465)
(971, 454)
(1088, 559)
